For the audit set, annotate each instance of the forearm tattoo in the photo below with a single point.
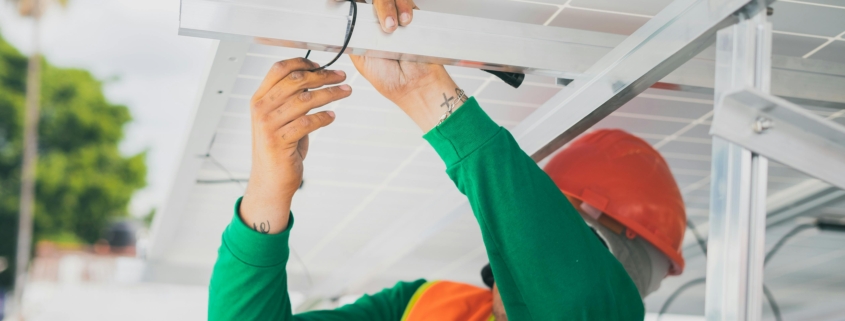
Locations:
(263, 228)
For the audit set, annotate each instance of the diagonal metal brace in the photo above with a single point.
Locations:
(784, 132)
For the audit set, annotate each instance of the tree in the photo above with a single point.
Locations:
(83, 182)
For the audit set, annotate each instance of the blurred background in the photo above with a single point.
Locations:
(117, 89)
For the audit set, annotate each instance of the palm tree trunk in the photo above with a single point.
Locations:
(30, 160)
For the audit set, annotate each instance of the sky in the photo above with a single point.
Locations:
(133, 45)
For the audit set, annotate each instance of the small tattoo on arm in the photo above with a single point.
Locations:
(446, 101)
(263, 228)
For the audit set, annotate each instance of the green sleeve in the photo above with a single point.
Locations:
(249, 282)
(547, 263)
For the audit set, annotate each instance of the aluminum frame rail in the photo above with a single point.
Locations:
(783, 131)
(671, 38)
(736, 242)
(474, 42)
(228, 58)
(432, 37)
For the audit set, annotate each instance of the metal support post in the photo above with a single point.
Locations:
(736, 244)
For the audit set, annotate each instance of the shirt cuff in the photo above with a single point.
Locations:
(467, 129)
(254, 248)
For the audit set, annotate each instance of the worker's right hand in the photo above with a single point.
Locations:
(394, 13)
(280, 128)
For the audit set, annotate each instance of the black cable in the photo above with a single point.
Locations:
(795, 230)
(675, 295)
(698, 237)
(353, 10)
(772, 303)
(701, 243)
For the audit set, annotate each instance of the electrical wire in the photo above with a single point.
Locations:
(676, 294)
(701, 243)
(353, 10)
(699, 239)
(797, 229)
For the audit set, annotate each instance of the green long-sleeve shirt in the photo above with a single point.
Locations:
(547, 263)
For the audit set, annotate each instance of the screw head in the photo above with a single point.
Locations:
(762, 124)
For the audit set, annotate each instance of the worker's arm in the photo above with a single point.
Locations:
(249, 281)
(546, 262)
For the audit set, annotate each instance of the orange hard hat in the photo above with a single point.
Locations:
(624, 177)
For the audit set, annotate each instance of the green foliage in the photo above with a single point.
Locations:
(83, 182)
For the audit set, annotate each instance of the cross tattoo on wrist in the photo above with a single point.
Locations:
(446, 101)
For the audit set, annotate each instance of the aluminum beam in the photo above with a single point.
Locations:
(801, 81)
(797, 137)
(736, 243)
(432, 37)
(219, 80)
(671, 38)
(474, 42)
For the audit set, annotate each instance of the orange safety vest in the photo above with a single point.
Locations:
(450, 301)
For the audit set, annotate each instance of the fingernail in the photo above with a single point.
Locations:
(345, 87)
(405, 17)
(340, 72)
(389, 23)
(331, 113)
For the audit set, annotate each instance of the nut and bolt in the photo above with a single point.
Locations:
(762, 124)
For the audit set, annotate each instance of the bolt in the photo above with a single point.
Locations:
(770, 11)
(762, 124)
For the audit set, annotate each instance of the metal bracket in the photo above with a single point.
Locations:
(784, 132)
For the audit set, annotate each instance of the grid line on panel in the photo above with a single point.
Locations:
(483, 86)
(694, 186)
(820, 47)
(653, 117)
(675, 98)
(567, 5)
(686, 156)
(836, 114)
(798, 34)
(681, 131)
(340, 226)
(671, 138)
(275, 57)
(507, 103)
(814, 4)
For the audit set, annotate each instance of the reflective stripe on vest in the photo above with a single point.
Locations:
(450, 301)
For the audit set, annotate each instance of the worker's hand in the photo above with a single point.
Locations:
(394, 13)
(419, 89)
(280, 128)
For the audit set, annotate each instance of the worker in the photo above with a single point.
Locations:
(549, 260)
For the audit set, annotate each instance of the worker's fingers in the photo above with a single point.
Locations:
(294, 83)
(304, 102)
(405, 9)
(279, 71)
(387, 14)
(297, 129)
